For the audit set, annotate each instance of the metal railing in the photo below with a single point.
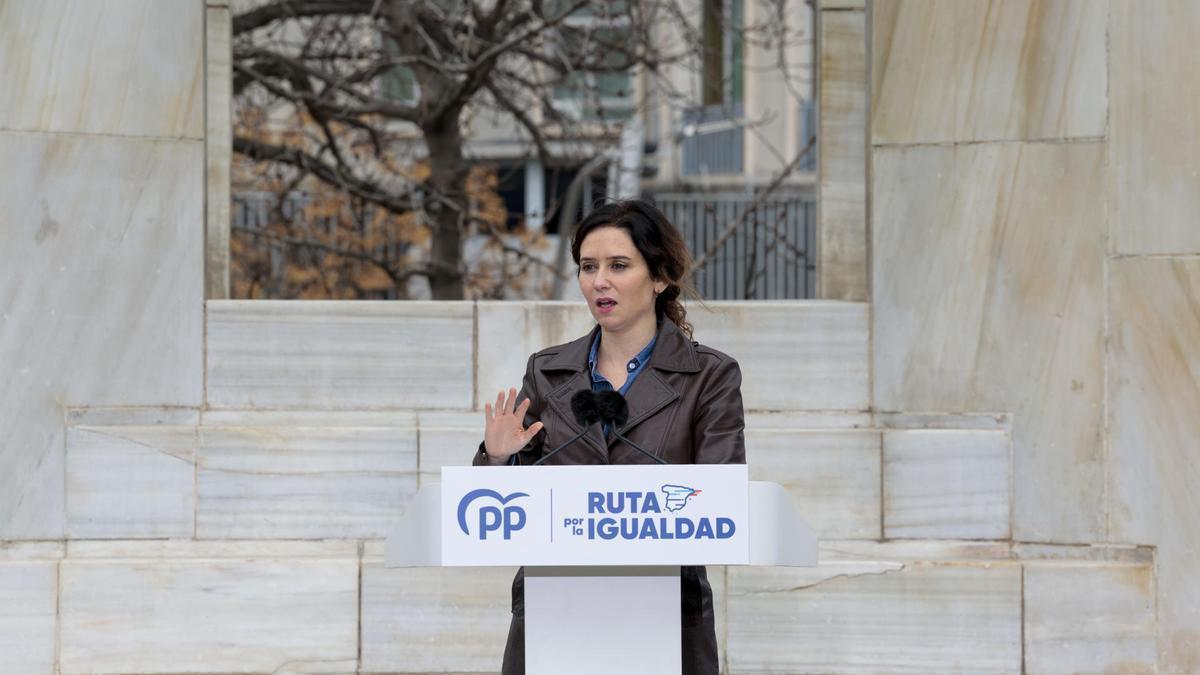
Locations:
(767, 255)
(712, 140)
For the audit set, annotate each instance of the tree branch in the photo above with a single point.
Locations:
(297, 9)
(335, 176)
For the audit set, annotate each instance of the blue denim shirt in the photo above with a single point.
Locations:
(634, 367)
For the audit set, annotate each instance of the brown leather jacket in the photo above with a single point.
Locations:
(685, 407)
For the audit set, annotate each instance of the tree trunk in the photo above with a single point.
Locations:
(447, 179)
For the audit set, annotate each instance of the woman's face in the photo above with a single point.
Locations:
(616, 281)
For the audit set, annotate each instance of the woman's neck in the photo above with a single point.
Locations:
(619, 347)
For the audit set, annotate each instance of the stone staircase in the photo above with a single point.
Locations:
(247, 535)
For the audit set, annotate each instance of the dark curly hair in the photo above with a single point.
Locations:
(659, 242)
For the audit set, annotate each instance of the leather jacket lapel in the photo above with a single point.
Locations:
(560, 402)
(648, 394)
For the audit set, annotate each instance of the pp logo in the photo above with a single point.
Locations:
(492, 518)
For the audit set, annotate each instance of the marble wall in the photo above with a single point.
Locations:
(101, 238)
(214, 538)
(1033, 246)
(842, 163)
(998, 452)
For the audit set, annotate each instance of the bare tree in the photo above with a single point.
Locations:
(373, 97)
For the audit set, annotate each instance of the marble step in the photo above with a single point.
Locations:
(234, 474)
(331, 607)
(801, 355)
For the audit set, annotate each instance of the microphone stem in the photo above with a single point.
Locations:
(553, 452)
(636, 446)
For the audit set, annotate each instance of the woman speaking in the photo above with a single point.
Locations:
(684, 399)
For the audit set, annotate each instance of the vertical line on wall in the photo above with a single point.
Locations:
(204, 208)
(1012, 484)
(66, 521)
(420, 480)
(474, 356)
(196, 476)
(868, 193)
(58, 610)
(1023, 619)
(1105, 441)
(361, 547)
(882, 491)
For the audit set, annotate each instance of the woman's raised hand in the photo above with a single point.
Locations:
(504, 427)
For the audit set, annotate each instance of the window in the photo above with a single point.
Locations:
(606, 93)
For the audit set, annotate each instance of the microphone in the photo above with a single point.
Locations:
(614, 411)
(583, 407)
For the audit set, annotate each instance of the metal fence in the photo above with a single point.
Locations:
(713, 139)
(768, 256)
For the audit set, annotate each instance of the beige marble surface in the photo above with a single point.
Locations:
(28, 616)
(233, 614)
(447, 439)
(302, 481)
(1153, 148)
(123, 67)
(100, 276)
(1089, 619)
(990, 298)
(946, 484)
(874, 617)
(831, 476)
(126, 482)
(339, 355)
(944, 70)
(842, 162)
(508, 332)
(411, 615)
(794, 355)
(218, 149)
(1154, 390)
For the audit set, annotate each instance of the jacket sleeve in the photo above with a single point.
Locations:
(533, 450)
(719, 425)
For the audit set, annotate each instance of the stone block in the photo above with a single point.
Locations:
(508, 332)
(131, 68)
(805, 355)
(28, 616)
(1154, 393)
(1089, 619)
(271, 354)
(1153, 150)
(832, 477)
(946, 484)
(948, 71)
(423, 620)
(842, 170)
(447, 439)
(128, 482)
(303, 482)
(107, 227)
(991, 299)
(181, 607)
(875, 617)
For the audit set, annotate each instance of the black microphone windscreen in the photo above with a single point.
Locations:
(583, 406)
(612, 406)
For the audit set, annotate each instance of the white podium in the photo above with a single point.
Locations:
(602, 547)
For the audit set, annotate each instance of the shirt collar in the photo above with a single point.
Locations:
(632, 366)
